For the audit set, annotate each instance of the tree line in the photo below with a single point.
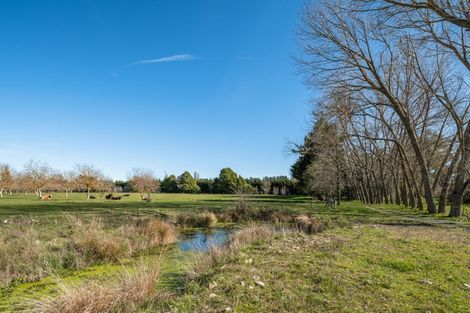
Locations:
(391, 124)
(39, 177)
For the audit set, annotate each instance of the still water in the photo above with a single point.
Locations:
(201, 241)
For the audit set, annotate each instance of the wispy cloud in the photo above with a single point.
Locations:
(172, 58)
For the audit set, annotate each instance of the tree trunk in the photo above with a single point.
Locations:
(424, 171)
(459, 189)
(445, 186)
(397, 191)
(88, 194)
(404, 195)
(66, 194)
(457, 196)
(1, 193)
(460, 184)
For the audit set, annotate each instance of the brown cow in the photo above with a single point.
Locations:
(46, 197)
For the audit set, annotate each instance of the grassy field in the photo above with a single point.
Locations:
(357, 269)
(20, 205)
(372, 258)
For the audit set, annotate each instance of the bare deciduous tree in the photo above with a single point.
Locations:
(445, 27)
(143, 181)
(37, 175)
(67, 181)
(266, 185)
(89, 177)
(105, 185)
(6, 178)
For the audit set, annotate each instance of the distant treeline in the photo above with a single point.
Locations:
(227, 182)
(39, 177)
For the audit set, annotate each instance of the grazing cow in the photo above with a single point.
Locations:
(92, 197)
(126, 195)
(46, 197)
(116, 198)
(109, 196)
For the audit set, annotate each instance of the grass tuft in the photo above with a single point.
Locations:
(204, 220)
(123, 293)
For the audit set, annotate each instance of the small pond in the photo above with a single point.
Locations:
(201, 241)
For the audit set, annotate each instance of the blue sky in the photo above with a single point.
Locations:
(168, 85)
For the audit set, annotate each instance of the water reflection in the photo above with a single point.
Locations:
(202, 240)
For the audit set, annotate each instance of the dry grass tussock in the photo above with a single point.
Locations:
(308, 225)
(205, 220)
(123, 292)
(158, 232)
(250, 234)
(96, 243)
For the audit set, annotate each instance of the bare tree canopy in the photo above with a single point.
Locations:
(394, 76)
(38, 174)
(88, 177)
(144, 182)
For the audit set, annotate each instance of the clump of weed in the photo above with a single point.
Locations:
(250, 234)
(158, 232)
(97, 244)
(205, 220)
(308, 225)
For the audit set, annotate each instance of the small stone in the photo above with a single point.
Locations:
(5, 221)
(228, 309)
(248, 261)
(212, 295)
(242, 283)
(467, 285)
(260, 283)
(212, 285)
(426, 281)
(251, 287)
(255, 277)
